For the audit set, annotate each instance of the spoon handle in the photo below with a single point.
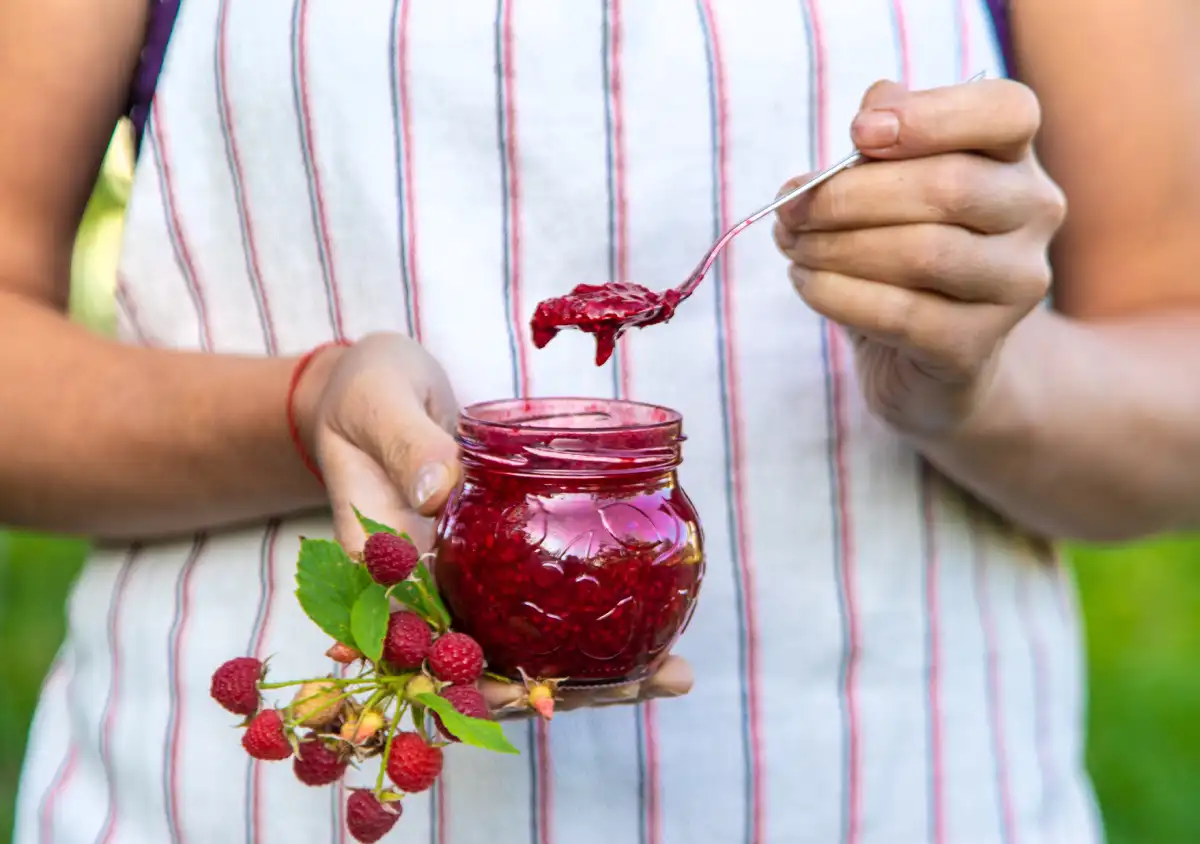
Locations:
(706, 263)
(688, 287)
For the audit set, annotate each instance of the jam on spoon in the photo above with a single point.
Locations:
(603, 310)
(608, 310)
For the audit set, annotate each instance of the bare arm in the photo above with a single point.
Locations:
(1092, 428)
(95, 437)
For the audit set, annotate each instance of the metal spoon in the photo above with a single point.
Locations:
(608, 310)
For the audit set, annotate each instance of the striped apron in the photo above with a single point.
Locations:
(878, 660)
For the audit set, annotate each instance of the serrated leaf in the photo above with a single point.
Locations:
(369, 621)
(371, 526)
(477, 732)
(328, 583)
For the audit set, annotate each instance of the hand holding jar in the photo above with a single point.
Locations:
(932, 253)
(561, 570)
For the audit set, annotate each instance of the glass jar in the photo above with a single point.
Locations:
(570, 550)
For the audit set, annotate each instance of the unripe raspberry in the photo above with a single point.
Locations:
(419, 685)
(361, 729)
(316, 704)
(344, 654)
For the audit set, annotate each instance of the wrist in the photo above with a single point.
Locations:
(1000, 411)
(310, 375)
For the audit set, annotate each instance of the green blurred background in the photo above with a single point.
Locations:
(1142, 607)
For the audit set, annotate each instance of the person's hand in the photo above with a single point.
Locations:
(932, 253)
(378, 417)
(673, 678)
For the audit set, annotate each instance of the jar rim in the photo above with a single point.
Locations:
(570, 436)
(499, 414)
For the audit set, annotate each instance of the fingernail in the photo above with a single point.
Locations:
(431, 479)
(875, 129)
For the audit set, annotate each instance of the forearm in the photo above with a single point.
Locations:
(112, 441)
(1090, 431)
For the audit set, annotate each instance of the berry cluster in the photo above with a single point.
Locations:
(386, 617)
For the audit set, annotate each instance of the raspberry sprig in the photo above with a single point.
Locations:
(414, 694)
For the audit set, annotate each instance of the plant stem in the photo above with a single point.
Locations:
(374, 699)
(336, 681)
(387, 746)
(435, 617)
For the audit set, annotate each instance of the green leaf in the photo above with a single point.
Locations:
(371, 526)
(408, 593)
(328, 584)
(369, 621)
(419, 593)
(477, 732)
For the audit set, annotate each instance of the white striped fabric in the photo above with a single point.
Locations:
(878, 660)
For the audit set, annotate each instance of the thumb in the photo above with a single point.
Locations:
(420, 458)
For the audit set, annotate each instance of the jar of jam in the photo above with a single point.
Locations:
(570, 551)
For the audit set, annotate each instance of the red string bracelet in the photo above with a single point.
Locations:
(293, 425)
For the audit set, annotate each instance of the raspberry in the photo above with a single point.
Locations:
(367, 819)
(389, 558)
(317, 764)
(235, 685)
(407, 642)
(466, 700)
(413, 765)
(343, 654)
(456, 658)
(265, 738)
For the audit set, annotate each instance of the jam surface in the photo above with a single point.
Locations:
(570, 551)
(603, 310)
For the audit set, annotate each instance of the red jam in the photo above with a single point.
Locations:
(603, 310)
(570, 551)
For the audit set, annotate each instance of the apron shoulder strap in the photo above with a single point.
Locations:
(145, 80)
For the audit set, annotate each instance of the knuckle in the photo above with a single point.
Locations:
(931, 252)
(954, 188)
(785, 239)
(1052, 202)
(878, 91)
(1024, 107)
(398, 453)
(829, 204)
(814, 249)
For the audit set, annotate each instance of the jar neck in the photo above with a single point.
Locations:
(486, 475)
